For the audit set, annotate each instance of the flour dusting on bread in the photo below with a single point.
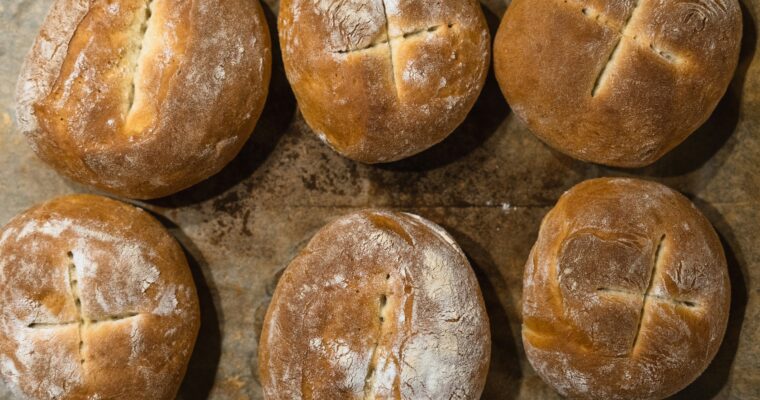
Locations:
(379, 305)
(92, 286)
(382, 64)
(144, 98)
(626, 292)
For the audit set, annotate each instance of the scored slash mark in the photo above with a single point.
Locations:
(664, 299)
(374, 357)
(389, 41)
(74, 283)
(652, 274)
(148, 13)
(647, 295)
(624, 34)
(82, 322)
(615, 51)
(385, 41)
(390, 46)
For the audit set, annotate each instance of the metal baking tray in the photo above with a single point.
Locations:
(489, 184)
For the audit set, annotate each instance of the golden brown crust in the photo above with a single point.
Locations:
(616, 82)
(375, 100)
(378, 305)
(143, 98)
(98, 303)
(626, 292)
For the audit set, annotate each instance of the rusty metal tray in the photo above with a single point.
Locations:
(489, 184)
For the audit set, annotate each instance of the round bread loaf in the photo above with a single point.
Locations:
(626, 293)
(381, 80)
(616, 82)
(378, 305)
(143, 98)
(98, 303)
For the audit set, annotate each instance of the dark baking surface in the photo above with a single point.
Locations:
(489, 184)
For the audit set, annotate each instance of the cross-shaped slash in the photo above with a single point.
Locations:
(82, 321)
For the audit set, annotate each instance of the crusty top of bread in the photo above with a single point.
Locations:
(378, 305)
(616, 82)
(626, 292)
(380, 80)
(98, 303)
(144, 98)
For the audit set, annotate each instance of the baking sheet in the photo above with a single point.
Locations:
(489, 184)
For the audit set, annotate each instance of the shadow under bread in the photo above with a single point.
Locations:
(715, 378)
(482, 122)
(204, 361)
(504, 374)
(704, 145)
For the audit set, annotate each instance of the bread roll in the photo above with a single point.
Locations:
(98, 303)
(143, 98)
(626, 293)
(616, 82)
(381, 80)
(378, 305)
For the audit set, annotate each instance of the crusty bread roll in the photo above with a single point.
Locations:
(98, 303)
(381, 80)
(378, 305)
(616, 82)
(626, 293)
(143, 98)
